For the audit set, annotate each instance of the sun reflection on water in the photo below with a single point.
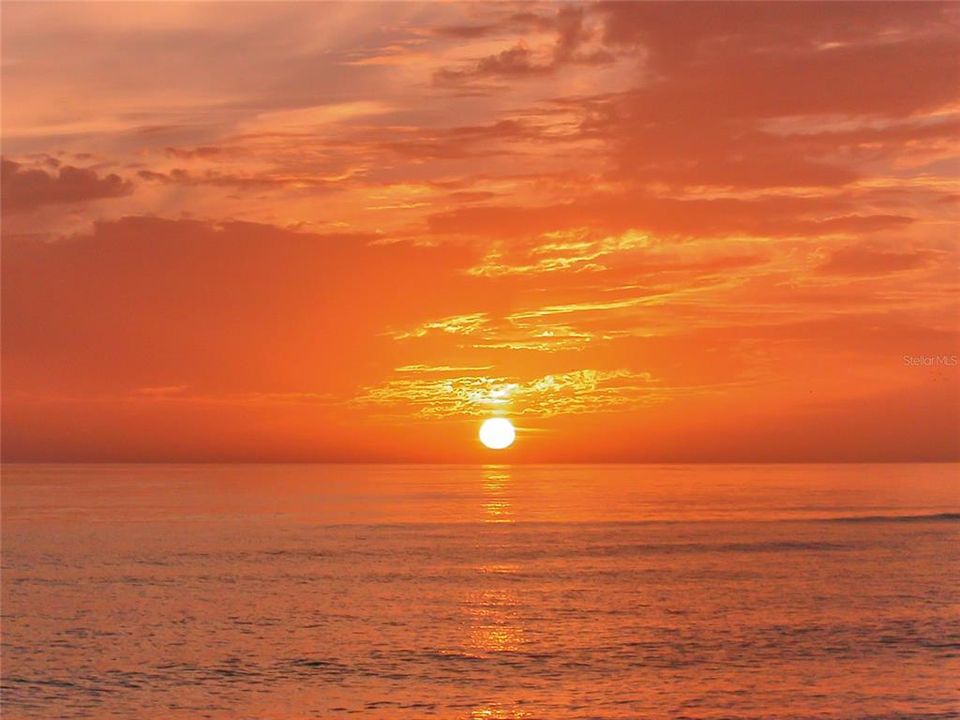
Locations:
(496, 712)
(493, 607)
(497, 507)
(495, 621)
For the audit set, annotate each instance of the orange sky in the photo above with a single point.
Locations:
(666, 232)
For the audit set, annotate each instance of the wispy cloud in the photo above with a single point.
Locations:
(563, 250)
(440, 369)
(575, 392)
(454, 325)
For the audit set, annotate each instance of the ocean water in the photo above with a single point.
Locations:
(313, 591)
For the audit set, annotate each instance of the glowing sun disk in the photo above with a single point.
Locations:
(497, 433)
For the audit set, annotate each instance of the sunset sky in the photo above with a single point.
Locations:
(351, 232)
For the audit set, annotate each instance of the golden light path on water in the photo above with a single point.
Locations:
(493, 608)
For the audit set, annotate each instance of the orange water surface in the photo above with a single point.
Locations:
(321, 591)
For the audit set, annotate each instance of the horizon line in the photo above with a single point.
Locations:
(953, 461)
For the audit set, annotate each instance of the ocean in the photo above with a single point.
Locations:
(613, 591)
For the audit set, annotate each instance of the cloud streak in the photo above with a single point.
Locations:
(575, 392)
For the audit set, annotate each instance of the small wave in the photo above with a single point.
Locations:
(715, 547)
(932, 517)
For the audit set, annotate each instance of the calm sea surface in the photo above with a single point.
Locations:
(313, 591)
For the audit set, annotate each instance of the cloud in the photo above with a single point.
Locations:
(439, 369)
(251, 181)
(575, 392)
(581, 250)
(709, 83)
(502, 24)
(215, 306)
(767, 215)
(467, 32)
(315, 117)
(572, 250)
(866, 260)
(25, 190)
(518, 61)
(694, 34)
(454, 325)
(205, 151)
(464, 141)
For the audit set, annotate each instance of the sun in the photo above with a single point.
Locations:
(497, 433)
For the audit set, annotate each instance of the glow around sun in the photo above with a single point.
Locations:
(497, 433)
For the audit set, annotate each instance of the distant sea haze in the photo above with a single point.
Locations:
(320, 591)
